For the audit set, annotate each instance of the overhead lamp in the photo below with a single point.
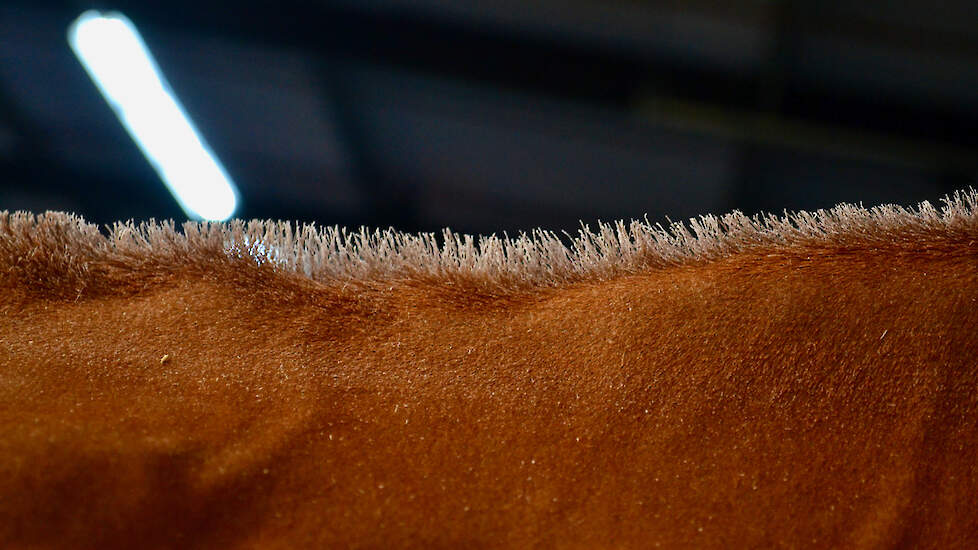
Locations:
(118, 61)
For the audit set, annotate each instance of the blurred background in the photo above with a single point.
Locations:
(506, 115)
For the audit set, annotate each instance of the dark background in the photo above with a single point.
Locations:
(505, 115)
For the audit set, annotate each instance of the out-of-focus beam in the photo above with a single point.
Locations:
(779, 131)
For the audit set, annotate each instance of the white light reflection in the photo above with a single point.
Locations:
(113, 53)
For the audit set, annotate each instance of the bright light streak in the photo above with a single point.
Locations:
(113, 53)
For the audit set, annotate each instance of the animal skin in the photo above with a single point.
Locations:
(806, 381)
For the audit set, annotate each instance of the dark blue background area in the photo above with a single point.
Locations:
(509, 115)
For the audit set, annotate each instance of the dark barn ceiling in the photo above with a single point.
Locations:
(509, 115)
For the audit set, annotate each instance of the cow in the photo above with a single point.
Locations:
(805, 380)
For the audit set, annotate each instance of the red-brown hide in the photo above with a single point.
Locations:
(797, 396)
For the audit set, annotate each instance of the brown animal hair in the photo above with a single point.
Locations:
(807, 380)
(61, 255)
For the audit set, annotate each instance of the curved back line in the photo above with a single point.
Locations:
(808, 381)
